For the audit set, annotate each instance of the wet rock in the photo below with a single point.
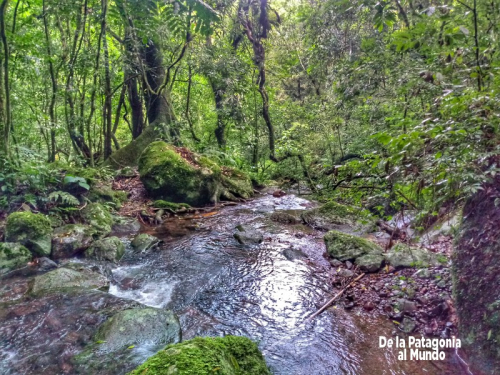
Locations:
(344, 246)
(196, 180)
(30, 230)
(370, 262)
(232, 355)
(13, 256)
(98, 216)
(423, 273)
(284, 218)
(279, 193)
(156, 327)
(404, 256)
(144, 242)
(125, 226)
(55, 327)
(109, 248)
(349, 265)
(335, 262)
(293, 254)
(246, 235)
(408, 325)
(44, 264)
(70, 240)
(68, 278)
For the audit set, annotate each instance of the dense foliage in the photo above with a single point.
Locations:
(390, 103)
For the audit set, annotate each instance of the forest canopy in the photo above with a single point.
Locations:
(390, 102)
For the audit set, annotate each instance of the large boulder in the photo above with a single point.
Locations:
(13, 256)
(476, 280)
(31, 230)
(230, 355)
(404, 256)
(70, 240)
(144, 242)
(180, 176)
(246, 235)
(63, 277)
(336, 216)
(98, 216)
(109, 248)
(343, 246)
(156, 327)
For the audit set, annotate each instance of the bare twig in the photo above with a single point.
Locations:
(323, 308)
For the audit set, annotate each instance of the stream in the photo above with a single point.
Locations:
(218, 287)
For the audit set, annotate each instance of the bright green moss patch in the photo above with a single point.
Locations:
(230, 355)
(98, 216)
(344, 246)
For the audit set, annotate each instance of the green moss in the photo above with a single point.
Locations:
(12, 256)
(31, 230)
(99, 217)
(222, 355)
(107, 194)
(344, 246)
(170, 205)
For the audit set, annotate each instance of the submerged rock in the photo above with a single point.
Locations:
(344, 246)
(192, 179)
(109, 248)
(230, 355)
(63, 277)
(245, 235)
(13, 256)
(144, 242)
(98, 216)
(404, 256)
(31, 230)
(70, 240)
(293, 254)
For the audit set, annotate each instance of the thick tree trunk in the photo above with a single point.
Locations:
(220, 130)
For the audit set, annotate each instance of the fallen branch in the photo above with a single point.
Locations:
(323, 308)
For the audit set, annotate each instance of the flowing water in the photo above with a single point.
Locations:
(217, 287)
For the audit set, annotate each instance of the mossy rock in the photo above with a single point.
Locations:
(371, 262)
(13, 256)
(153, 326)
(343, 246)
(31, 230)
(106, 194)
(63, 278)
(98, 216)
(170, 205)
(284, 217)
(144, 242)
(198, 181)
(336, 216)
(230, 355)
(405, 256)
(109, 248)
(70, 240)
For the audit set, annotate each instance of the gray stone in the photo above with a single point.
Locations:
(293, 254)
(109, 248)
(125, 226)
(406, 306)
(245, 235)
(68, 278)
(284, 218)
(408, 325)
(370, 262)
(404, 256)
(13, 256)
(70, 240)
(144, 242)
